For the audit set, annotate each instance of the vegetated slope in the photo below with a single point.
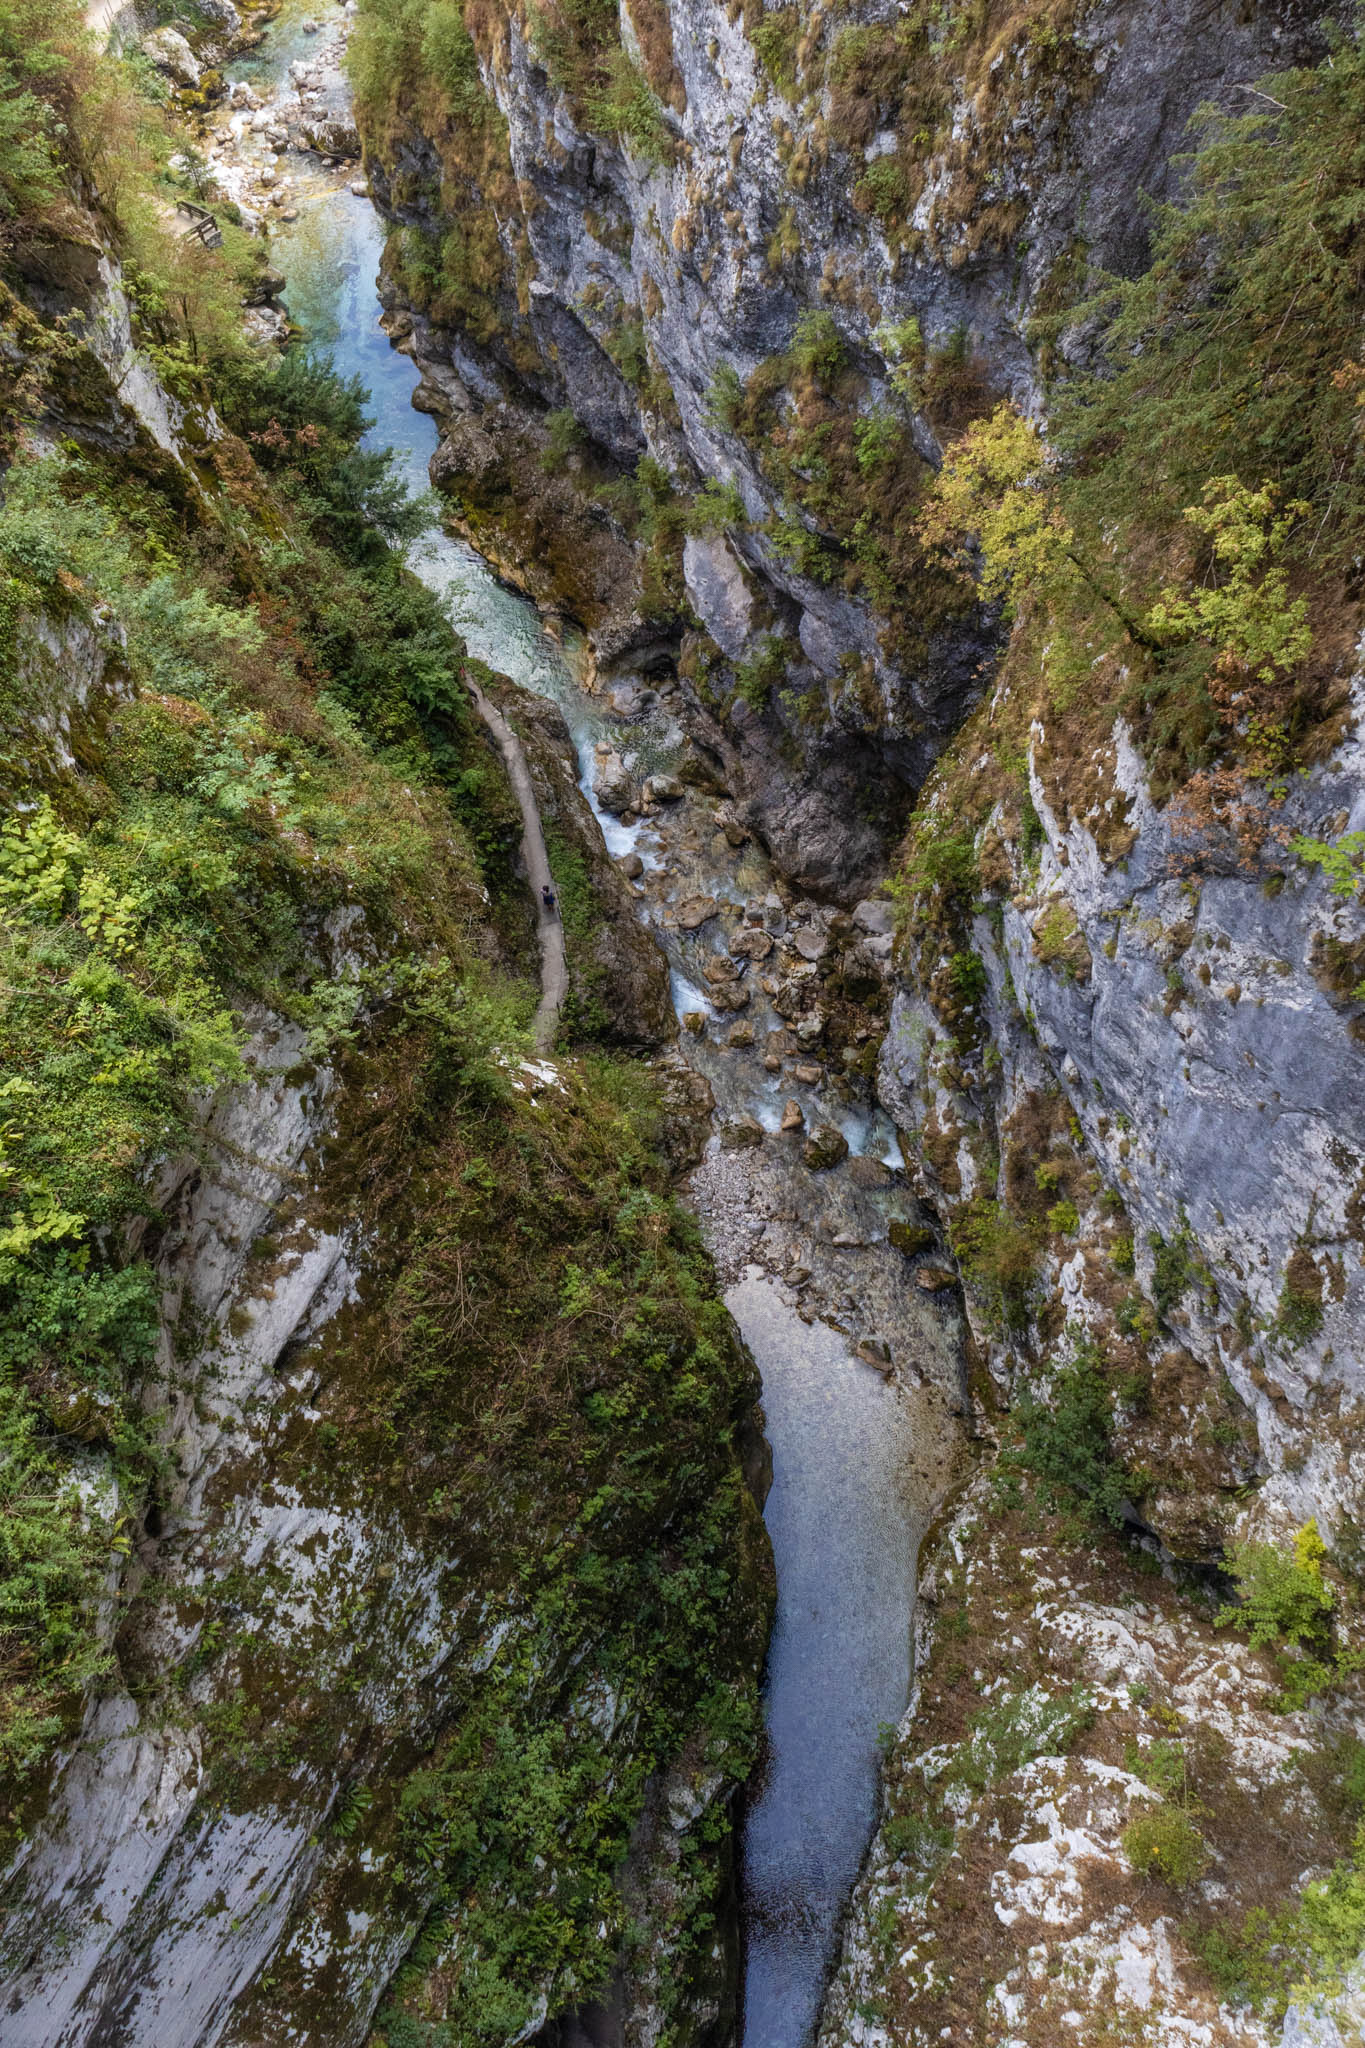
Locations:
(773, 288)
(381, 1592)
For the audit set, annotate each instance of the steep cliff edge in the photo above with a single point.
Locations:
(383, 1598)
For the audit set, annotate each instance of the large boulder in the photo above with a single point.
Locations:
(612, 785)
(172, 56)
(332, 136)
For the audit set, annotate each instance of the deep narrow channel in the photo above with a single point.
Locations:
(845, 1512)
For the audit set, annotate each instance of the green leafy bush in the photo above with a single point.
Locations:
(816, 347)
(760, 673)
(1066, 1427)
(624, 103)
(1306, 1946)
(1014, 1729)
(565, 437)
(1164, 1842)
(776, 36)
(998, 1259)
(1281, 1595)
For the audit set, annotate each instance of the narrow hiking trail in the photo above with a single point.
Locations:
(554, 972)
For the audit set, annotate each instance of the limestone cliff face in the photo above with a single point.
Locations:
(1195, 1025)
(956, 177)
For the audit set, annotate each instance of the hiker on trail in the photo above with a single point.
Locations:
(547, 897)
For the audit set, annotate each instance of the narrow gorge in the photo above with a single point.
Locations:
(683, 896)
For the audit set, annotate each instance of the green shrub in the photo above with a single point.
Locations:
(1066, 1425)
(775, 38)
(1281, 1595)
(1307, 1946)
(725, 397)
(450, 58)
(1164, 1842)
(1162, 1765)
(816, 346)
(759, 674)
(624, 104)
(1015, 1728)
(1173, 1266)
(1285, 1604)
(565, 437)
(884, 189)
(715, 507)
(941, 861)
(910, 1838)
(877, 436)
(967, 975)
(998, 1259)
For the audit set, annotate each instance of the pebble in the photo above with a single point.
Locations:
(848, 1240)
(360, 187)
(793, 1116)
(808, 1075)
(740, 1034)
(772, 1063)
(695, 1022)
(797, 1276)
(631, 866)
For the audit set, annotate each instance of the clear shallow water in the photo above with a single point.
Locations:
(840, 1514)
(843, 1527)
